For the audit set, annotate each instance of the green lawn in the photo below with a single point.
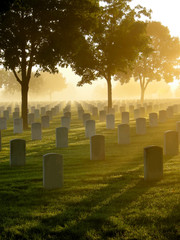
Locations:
(100, 199)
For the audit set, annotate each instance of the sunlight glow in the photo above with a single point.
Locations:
(174, 85)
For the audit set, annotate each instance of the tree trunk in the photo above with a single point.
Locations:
(109, 88)
(142, 95)
(24, 104)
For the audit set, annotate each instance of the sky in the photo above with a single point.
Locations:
(165, 11)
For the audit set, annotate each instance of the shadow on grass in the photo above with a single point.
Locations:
(93, 213)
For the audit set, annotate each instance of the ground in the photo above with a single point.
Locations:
(100, 199)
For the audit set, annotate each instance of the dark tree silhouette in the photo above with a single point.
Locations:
(116, 43)
(157, 62)
(42, 33)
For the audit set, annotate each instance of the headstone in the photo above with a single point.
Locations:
(49, 113)
(153, 119)
(110, 121)
(115, 107)
(136, 113)
(95, 112)
(131, 108)
(36, 132)
(149, 109)
(3, 123)
(15, 115)
(170, 112)
(16, 109)
(162, 116)
(122, 109)
(86, 116)
(53, 110)
(90, 128)
(111, 111)
(17, 152)
(32, 109)
(153, 163)
(171, 143)
(18, 125)
(102, 116)
(61, 137)
(67, 114)
(125, 117)
(142, 112)
(43, 111)
(123, 134)
(36, 114)
(141, 126)
(80, 114)
(9, 109)
(53, 171)
(45, 121)
(30, 118)
(65, 122)
(6, 114)
(97, 147)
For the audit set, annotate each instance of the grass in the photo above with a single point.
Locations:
(100, 199)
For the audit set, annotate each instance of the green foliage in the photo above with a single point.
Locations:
(44, 84)
(158, 61)
(100, 199)
(43, 33)
(116, 42)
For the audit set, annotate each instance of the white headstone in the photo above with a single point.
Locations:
(61, 137)
(45, 121)
(18, 125)
(65, 122)
(3, 123)
(90, 128)
(110, 121)
(171, 143)
(153, 163)
(53, 171)
(123, 134)
(17, 152)
(36, 132)
(125, 117)
(153, 119)
(97, 147)
(141, 126)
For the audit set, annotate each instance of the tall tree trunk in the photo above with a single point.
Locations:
(109, 88)
(142, 95)
(24, 104)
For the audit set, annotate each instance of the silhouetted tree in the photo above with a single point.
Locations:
(42, 33)
(45, 84)
(115, 44)
(156, 62)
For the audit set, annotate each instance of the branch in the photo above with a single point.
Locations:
(16, 76)
(148, 81)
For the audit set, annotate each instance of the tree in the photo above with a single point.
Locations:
(45, 84)
(115, 44)
(42, 33)
(157, 61)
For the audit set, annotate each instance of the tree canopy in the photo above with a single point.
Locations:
(117, 41)
(158, 61)
(43, 33)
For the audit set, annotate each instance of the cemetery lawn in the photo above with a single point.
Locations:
(100, 199)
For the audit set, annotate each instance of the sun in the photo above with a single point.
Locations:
(174, 85)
